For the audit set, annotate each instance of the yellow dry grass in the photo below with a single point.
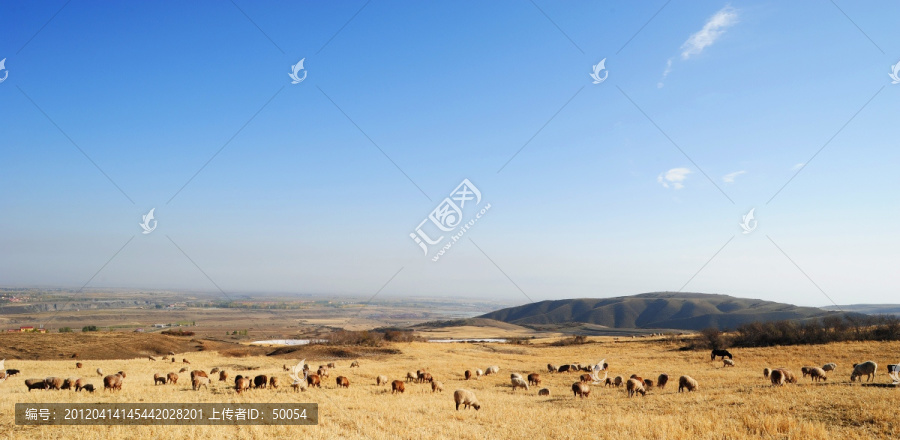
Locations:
(732, 403)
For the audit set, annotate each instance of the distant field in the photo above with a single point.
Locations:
(732, 403)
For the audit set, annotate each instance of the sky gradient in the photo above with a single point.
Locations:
(636, 184)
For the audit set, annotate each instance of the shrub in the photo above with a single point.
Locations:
(574, 340)
(65, 329)
(177, 332)
(89, 328)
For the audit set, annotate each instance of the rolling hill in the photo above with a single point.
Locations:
(664, 310)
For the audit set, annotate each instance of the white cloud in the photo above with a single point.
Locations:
(673, 178)
(712, 30)
(729, 178)
(665, 73)
(798, 166)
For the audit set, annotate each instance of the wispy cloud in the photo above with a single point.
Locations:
(729, 178)
(714, 27)
(712, 30)
(673, 178)
(798, 166)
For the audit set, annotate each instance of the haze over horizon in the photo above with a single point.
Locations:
(635, 184)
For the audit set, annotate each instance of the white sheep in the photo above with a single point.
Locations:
(728, 362)
(867, 368)
(687, 383)
(437, 386)
(478, 373)
(466, 398)
(381, 380)
(635, 386)
(493, 369)
(518, 382)
(817, 374)
(829, 366)
(515, 375)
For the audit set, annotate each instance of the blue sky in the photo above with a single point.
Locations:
(599, 201)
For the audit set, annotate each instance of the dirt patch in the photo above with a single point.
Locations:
(332, 352)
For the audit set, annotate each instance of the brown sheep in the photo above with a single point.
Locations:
(468, 374)
(534, 379)
(777, 378)
(88, 387)
(342, 382)
(112, 382)
(354, 364)
(466, 398)
(197, 373)
(437, 386)
(314, 380)
(223, 376)
(273, 382)
(173, 360)
(766, 372)
(78, 365)
(618, 381)
(214, 370)
(662, 380)
(586, 378)
(182, 370)
(805, 370)
(53, 383)
(121, 373)
(185, 361)
(260, 381)
(608, 382)
(331, 365)
(426, 377)
(80, 384)
(634, 386)
(817, 374)
(323, 372)
(648, 383)
(172, 378)
(69, 383)
(420, 376)
(687, 383)
(563, 368)
(397, 386)
(580, 389)
(241, 383)
(35, 384)
(159, 379)
(544, 392)
(788, 375)
(200, 381)
(639, 378)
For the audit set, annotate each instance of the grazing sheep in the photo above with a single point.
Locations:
(78, 364)
(12, 372)
(410, 376)
(563, 368)
(662, 380)
(534, 379)
(766, 372)
(273, 382)
(159, 379)
(112, 382)
(586, 378)
(88, 387)
(551, 368)
(777, 378)
(829, 367)
(581, 389)
(99, 372)
(466, 398)
(788, 375)
(437, 386)
(493, 369)
(53, 383)
(322, 371)
(648, 383)
(397, 386)
(866, 368)
(514, 375)
(381, 380)
(634, 386)
(260, 381)
(608, 382)
(121, 373)
(183, 370)
(314, 380)
(197, 373)
(214, 370)
(185, 361)
(618, 381)
(639, 378)
(354, 364)
(200, 381)
(687, 383)
(173, 360)
(805, 370)
(468, 374)
(478, 373)
(69, 383)
(544, 392)
(172, 378)
(35, 384)
(727, 363)
(241, 383)
(80, 384)
(426, 377)
(331, 365)
(343, 382)
(518, 382)
(223, 376)
(817, 374)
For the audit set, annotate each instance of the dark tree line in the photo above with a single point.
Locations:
(834, 328)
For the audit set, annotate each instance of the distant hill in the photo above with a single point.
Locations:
(664, 310)
(868, 309)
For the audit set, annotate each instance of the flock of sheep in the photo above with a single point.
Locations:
(303, 378)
